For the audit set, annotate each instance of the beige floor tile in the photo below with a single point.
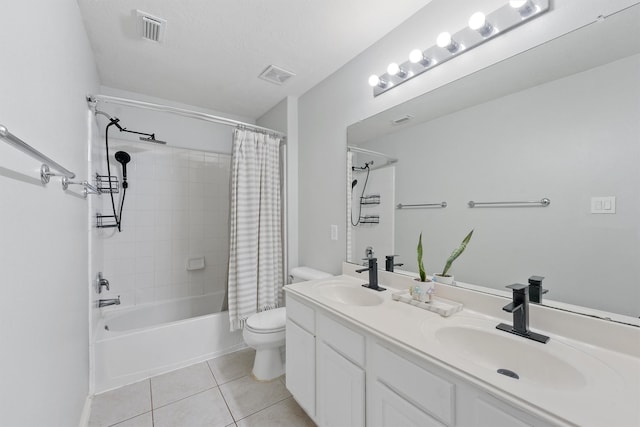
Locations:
(203, 409)
(246, 396)
(232, 366)
(120, 404)
(144, 420)
(176, 385)
(285, 413)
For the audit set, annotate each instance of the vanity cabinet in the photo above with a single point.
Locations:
(340, 352)
(344, 375)
(301, 355)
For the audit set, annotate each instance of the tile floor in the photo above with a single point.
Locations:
(218, 393)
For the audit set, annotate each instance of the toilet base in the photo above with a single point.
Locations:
(268, 364)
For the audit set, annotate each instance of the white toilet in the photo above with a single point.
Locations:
(264, 331)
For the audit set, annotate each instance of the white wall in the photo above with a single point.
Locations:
(47, 70)
(568, 140)
(344, 98)
(284, 118)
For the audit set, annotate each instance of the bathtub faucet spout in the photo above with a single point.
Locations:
(106, 302)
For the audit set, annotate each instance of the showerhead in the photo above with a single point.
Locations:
(153, 139)
(354, 183)
(123, 157)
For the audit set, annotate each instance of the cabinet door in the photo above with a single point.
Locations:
(391, 410)
(487, 414)
(340, 390)
(301, 366)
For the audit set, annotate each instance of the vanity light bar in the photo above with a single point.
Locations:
(480, 29)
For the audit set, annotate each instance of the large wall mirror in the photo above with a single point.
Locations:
(561, 122)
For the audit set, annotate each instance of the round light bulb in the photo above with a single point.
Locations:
(444, 39)
(477, 21)
(393, 69)
(374, 80)
(416, 56)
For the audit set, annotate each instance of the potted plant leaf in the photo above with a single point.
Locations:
(448, 278)
(423, 290)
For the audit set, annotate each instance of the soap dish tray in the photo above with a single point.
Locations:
(444, 307)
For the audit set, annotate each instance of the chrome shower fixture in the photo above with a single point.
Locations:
(152, 138)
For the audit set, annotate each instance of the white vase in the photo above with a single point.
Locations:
(445, 280)
(422, 291)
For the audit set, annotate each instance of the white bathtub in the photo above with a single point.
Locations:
(136, 343)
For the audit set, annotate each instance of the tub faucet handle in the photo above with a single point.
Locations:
(102, 282)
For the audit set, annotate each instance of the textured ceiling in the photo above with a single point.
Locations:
(214, 50)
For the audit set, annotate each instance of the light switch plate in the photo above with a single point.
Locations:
(603, 205)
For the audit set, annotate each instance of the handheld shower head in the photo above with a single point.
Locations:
(123, 158)
(354, 183)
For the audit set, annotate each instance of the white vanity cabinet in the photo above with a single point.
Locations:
(343, 375)
(340, 355)
(301, 355)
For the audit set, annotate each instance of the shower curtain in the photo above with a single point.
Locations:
(255, 249)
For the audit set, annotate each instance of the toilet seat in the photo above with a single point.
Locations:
(268, 321)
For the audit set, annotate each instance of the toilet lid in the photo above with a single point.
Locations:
(268, 320)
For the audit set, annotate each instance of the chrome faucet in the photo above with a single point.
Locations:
(107, 302)
(520, 309)
(373, 275)
(102, 282)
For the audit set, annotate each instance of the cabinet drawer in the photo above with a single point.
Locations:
(427, 391)
(343, 340)
(303, 315)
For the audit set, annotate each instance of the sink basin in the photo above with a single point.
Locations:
(555, 365)
(349, 294)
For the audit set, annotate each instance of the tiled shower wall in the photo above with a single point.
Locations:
(176, 208)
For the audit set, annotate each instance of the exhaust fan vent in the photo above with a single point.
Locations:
(276, 75)
(151, 27)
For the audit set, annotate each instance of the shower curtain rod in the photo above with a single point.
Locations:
(93, 99)
(375, 153)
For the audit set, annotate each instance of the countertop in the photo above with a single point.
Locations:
(607, 393)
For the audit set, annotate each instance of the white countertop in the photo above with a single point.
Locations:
(604, 392)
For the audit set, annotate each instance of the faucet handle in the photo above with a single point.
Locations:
(102, 282)
(517, 286)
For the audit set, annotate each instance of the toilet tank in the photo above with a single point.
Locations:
(303, 274)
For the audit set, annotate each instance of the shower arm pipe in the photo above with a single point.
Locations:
(16, 142)
(390, 160)
(93, 99)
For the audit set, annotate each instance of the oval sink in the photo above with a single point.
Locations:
(555, 365)
(530, 362)
(349, 294)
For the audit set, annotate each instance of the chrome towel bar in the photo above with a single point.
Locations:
(16, 142)
(544, 203)
(422, 205)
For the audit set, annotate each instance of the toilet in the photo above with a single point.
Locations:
(265, 331)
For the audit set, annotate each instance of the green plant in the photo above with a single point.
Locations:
(423, 274)
(456, 253)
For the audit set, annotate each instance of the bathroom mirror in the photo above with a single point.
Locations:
(560, 121)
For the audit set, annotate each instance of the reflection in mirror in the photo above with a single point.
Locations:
(559, 122)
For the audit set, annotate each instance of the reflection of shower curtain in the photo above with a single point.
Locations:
(255, 257)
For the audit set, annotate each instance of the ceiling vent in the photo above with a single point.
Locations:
(276, 75)
(151, 27)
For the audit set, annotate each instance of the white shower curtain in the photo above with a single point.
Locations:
(255, 250)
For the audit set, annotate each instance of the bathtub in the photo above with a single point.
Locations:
(135, 343)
